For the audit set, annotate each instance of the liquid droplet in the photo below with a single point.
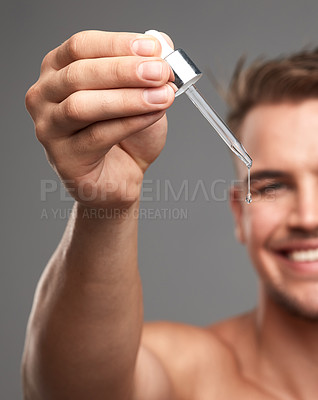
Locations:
(248, 197)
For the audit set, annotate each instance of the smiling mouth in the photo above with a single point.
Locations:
(309, 255)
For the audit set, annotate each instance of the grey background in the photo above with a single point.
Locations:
(192, 269)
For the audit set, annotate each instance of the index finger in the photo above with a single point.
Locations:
(98, 44)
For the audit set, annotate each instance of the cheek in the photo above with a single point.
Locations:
(260, 224)
(261, 221)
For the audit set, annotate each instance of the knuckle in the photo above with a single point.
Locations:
(40, 132)
(126, 124)
(75, 43)
(71, 109)
(112, 44)
(29, 99)
(123, 70)
(88, 68)
(32, 97)
(95, 134)
(125, 102)
(46, 62)
(71, 75)
(131, 102)
(116, 71)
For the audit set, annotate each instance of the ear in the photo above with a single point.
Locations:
(236, 202)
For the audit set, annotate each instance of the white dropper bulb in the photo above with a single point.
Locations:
(186, 73)
(166, 49)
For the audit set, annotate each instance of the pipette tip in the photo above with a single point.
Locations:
(239, 150)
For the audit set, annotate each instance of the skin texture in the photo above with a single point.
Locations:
(86, 337)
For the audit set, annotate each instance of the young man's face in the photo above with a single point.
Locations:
(280, 226)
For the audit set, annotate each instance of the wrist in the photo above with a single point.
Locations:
(104, 214)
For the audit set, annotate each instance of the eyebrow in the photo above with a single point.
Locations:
(267, 174)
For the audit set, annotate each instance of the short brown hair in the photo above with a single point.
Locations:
(292, 78)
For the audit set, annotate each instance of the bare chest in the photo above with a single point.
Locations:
(228, 386)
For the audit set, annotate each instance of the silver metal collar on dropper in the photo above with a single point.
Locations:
(186, 73)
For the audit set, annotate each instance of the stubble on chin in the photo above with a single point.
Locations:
(291, 305)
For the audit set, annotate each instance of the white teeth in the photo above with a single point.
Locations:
(304, 255)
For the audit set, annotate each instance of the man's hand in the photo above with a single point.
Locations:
(99, 111)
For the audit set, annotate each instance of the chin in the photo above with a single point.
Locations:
(304, 307)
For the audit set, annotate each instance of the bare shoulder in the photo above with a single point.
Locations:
(183, 340)
(195, 359)
(227, 331)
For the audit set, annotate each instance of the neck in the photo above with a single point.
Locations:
(287, 347)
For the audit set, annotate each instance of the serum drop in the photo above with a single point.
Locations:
(248, 197)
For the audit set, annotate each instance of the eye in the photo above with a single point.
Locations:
(269, 187)
(275, 186)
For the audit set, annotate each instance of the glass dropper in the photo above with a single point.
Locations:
(186, 75)
(218, 124)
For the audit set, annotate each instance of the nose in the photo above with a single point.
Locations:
(304, 213)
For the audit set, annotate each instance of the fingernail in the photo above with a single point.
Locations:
(151, 70)
(144, 47)
(156, 95)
